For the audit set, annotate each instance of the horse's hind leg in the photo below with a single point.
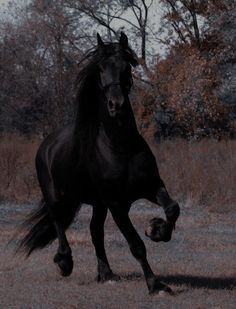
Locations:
(61, 220)
(159, 229)
(61, 216)
(63, 257)
(138, 249)
(97, 233)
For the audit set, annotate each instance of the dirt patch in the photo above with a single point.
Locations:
(199, 264)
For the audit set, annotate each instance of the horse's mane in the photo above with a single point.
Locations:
(87, 105)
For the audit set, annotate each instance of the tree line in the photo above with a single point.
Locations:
(186, 90)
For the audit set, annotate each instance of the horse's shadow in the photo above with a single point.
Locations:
(197, 282)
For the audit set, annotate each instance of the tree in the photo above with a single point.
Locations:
(182, 98)
(115, 15)
(219, 43)
(39, 62)
(220, 39)
(181, 21)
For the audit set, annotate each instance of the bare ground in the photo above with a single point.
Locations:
(199, 264)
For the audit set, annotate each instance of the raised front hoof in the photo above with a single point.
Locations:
(157, 287)
(64, 263)
(159, 230)
(102, 278)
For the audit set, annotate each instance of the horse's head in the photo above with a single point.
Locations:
(115, 73)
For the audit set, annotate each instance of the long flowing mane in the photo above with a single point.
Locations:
(87, 104)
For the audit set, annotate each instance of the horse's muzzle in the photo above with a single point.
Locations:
(115, 108)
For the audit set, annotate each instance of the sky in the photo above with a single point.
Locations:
(4, 1)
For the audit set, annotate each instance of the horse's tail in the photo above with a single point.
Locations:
(41, 231)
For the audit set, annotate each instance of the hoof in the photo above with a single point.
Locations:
(101, 278)
(159, 230)
(64, 263)
(157, 287)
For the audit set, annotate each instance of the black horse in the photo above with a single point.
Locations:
(101, 160)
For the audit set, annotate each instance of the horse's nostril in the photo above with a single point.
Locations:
(114, 107)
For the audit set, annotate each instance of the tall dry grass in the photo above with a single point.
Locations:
(201, 173)
(18, 179)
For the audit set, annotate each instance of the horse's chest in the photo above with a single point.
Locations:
(127, 172)
(108, 174)
(111, 167)
(123, 175)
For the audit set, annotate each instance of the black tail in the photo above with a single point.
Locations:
(41, 230)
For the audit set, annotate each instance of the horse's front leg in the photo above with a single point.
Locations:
(159, 229)
(97, 233)
(137, 248)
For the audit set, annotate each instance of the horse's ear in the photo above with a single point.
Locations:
(100, 41)
(123, 40)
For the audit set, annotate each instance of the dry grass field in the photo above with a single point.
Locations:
(199, 263)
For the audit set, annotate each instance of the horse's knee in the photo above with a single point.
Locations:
(163, 198)
(171, 208)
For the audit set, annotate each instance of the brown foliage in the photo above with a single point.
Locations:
(184, 83)
(142, 103)
(188, 84)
